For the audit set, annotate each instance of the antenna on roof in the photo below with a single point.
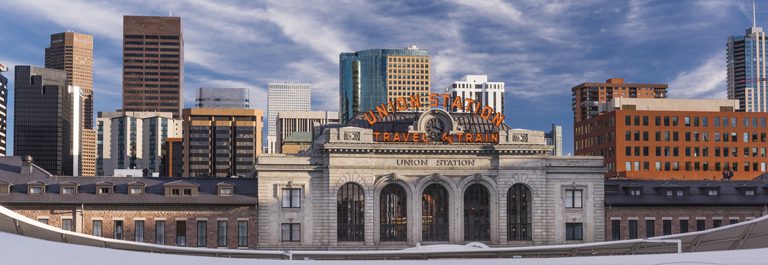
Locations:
(754, 20)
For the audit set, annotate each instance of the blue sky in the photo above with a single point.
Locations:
(539, 48)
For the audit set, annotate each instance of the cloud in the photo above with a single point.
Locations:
(707, 80)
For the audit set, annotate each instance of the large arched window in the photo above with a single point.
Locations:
(434, 213)
(477, 213)
(393, 213)
(519, 213)
(350, 213)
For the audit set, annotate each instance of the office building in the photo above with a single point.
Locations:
(221, 142)
(153, 64)
(173, 161)
(586, 97)
(372, 77)
(3, 109)
(478, 89)
(747, 72)
(680, 139)
(73, 53)
(133, 140)
(296, 128)
(232, 98)
(284, 96)
(45, 118)
(555, 138)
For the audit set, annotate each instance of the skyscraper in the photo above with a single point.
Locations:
(747, 71)
(477, 88)
(555, 139)
(295, 129)
(73, 53)
(284, 96)
(153, 64)
(44, 116)
(3, 109)
(236, 98)
(372, 77)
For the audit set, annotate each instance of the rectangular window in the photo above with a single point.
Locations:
(118, 229)
(43, 220)
(160, 232)
(684, 224)
(181, 233)
(733, 221)
(573, 198)
(291, 198)
(632, 229)
(202, 233)
(717, 223)
(222, 234)
(96, 228)
(650, 229)
(615, 229)
(66, 224)
(666, 227)
(242, 233)
(574, 231)
(139, 227)
(701, 225)
(291, 232)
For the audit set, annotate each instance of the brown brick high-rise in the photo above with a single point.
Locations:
(153, 64)
(587, 96)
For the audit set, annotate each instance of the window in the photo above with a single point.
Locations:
(634, 192)
(225, 191)
(749, 192)
(717, 223)
(393, 213)
(96, 228)
(35, 190)
(712, 192)
(679, 193)
(574, 231)
(43, 220)
(650, 229)
(684, 225)
(139, 227)
(118, 232)
(615, 229)
(632, 229)
(573, 199)
(701, 224)
(202, 233)
(733, 221)
(222, 233)
(160, 232)
(242, 233)
(350, 212)
(291, 232)
(104, 190)
(187, 192)
(519, 212)
(666, 227)
(291, 198)
(67, 190)
(136, 190)
(66, 224)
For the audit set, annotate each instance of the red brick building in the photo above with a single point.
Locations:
(675, 139)
(586, 97)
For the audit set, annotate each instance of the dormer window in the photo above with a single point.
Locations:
(105, 190)
(5, 188)
(181, 188)
(36, 190)
(712, 192)
(104, 187)
(68, 190)
(675, 193)
(176, 192)
(749, 192)
(225, 191)
(36, 187)
(136, 190)
(187, 192)
(635, 192)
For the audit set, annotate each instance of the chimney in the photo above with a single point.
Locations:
(26, 165)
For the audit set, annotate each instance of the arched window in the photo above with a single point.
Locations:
(519, 213)
(350, 213)
(434, 213)
(477, 213)
(393, 213)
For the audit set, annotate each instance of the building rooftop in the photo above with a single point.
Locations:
(694, 192)
(667, 104)
(308, 115)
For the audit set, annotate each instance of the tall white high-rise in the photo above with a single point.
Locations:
(284, 96)
(477, 88)
(747, 70)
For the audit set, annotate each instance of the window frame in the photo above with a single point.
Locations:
(290, 201)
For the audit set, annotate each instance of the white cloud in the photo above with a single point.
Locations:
(705, 81)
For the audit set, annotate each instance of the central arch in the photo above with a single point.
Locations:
(393, 213)
(434, 213)
(477, 213)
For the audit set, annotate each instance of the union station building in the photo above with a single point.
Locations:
(429, 178)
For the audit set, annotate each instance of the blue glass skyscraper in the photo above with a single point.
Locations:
(747, 69)
(369, 78)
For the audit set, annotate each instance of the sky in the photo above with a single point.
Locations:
(539, 48)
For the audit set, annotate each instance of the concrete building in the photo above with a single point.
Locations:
(478, 89)
(284, 96)
(747, 72)
(173, 160)
(207, 213)
(675, 139)
(221, 142)
(372, 77)
(133, 140)
(3, 109)
(555, 138)
(392, 185)
(153, 64)
(235, 98)
(296, 128)
(586, 97)
(648, 208)
(45, 119)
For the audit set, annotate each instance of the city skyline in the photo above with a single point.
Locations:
(515, 44)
